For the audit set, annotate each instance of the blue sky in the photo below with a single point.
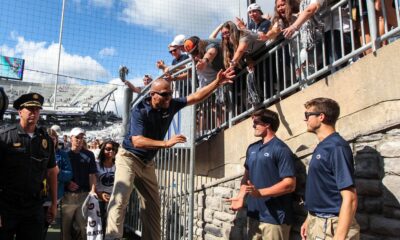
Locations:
(101, 35)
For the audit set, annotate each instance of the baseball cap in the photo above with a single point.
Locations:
(57, 129)
(76, 131)
(254, 6)
(178, 40)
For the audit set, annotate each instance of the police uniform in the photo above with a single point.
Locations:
(24, 161)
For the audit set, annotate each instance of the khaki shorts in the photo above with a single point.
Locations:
(267, 231)
(324, 228)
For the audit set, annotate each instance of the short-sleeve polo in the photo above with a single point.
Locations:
(267, 164)
(150, 123)
(331, 170)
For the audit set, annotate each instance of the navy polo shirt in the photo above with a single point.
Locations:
(267, 164)
(331, 170)
(150, 123)
(263, 26)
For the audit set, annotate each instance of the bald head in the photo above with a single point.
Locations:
(160, 84)
(160, 93)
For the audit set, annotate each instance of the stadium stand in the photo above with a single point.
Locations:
(70, 97)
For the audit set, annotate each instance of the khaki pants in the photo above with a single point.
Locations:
(132, 172)
(266, 231)
(324, 228)
(73, 224)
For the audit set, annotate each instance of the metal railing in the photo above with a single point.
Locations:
(285, 68)
(282, 69)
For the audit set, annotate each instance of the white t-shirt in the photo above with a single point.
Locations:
(105, 178)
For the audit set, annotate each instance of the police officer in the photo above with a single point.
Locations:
(26, 158)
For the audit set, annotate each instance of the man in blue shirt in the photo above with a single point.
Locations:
(257, 22)
(149, 123)
(269, 178)
(331, 197)
(83, 181)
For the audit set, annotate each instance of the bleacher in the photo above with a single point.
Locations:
(72, 98)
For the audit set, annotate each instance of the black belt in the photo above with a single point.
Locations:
(324, 215)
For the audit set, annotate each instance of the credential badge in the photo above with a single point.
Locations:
(44, 143)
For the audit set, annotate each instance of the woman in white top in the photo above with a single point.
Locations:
(105, 175)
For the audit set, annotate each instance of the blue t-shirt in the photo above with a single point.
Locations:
(267, 164)
(83, 164)
(331, 170)
(150, 123)
(263, 26)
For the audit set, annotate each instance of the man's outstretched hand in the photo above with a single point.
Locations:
(226, 76)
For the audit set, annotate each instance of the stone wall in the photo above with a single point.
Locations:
(377, 171)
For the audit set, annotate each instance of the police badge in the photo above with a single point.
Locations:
(44, 143)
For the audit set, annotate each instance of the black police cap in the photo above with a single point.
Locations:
(29, 100)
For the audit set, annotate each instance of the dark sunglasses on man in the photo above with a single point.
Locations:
(308, 114)
(164, 94)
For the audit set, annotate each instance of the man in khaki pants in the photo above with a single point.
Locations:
(269, 178)
(149, 123)
(331, 198)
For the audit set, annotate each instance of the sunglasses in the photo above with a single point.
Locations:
(258, 122)
(173, 50)
(164, 94)
(308, 114)
(109, 149)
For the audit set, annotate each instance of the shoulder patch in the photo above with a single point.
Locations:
(7, 128)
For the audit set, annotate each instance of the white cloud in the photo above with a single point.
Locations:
(102, 3)
(42, 57)
(107, 52)
(176, 16)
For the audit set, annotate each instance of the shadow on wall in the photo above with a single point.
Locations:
(377, 186)
(238, 230)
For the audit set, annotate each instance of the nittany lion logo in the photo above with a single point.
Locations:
(91, 206)
(318, 156)
(266, 154)
(92, 223)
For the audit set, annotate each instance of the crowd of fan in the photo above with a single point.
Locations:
(240, 44)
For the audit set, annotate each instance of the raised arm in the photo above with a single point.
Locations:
(132, 87)
(301, 19)
(272, 33)
(237, 56)
(214, 33)
(203, 93)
